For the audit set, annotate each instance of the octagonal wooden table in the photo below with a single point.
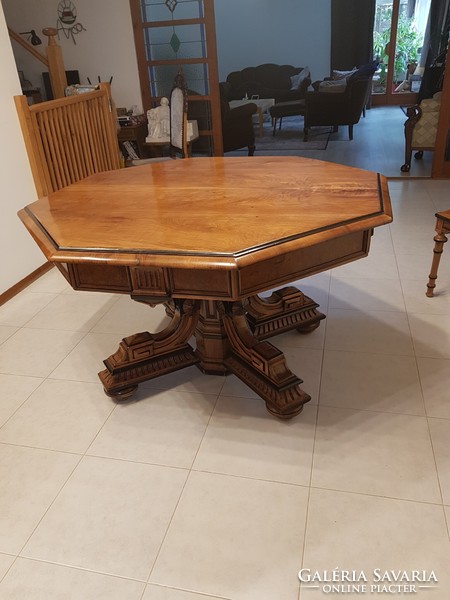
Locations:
(206, 236)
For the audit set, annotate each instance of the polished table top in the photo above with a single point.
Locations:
(208, 212)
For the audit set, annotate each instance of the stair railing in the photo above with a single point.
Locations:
(53, 59)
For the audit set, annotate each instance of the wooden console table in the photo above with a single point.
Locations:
(205, 236)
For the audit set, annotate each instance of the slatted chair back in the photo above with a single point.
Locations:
(70, 138)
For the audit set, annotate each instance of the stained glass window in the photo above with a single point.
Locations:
(171, 35)
(160, 10)
(172, 42)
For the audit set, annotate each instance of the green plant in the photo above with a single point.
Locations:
(409, 40)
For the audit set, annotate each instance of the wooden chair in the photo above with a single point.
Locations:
(442, 229)
(421, 128)
(69, 138)
(180, 135)
(237, 124)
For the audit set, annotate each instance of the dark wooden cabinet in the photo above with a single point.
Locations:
(135, 134)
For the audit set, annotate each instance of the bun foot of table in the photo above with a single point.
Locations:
(123, 394)
(283, 396)
(229, 338)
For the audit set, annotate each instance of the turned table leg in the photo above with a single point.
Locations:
(442, 228)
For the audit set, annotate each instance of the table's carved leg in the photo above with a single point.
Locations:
(260, 365)
(212, 342)
(284, 310)
(145, 355)
(440, 239)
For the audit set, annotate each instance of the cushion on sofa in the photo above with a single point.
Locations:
(336, 75)
(365, 70)
(297, 80)
(333, 87)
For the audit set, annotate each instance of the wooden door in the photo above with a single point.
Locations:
(398, 37)
(170, 35)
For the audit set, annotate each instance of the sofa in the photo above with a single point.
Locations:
(281, 82)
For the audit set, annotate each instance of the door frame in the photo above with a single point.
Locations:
(390, 98)
(213, 97)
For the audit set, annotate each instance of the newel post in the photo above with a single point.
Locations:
(56, 68)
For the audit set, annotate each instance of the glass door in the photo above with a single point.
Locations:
(398, 36)
(180, 34)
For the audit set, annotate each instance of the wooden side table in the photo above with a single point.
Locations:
(137, 134)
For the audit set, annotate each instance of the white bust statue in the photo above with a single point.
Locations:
(159, 120)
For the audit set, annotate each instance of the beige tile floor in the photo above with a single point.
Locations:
(378, 144)
(194, 491)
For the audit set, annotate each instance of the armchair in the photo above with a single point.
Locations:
(421, 128)
(340, 105)
(237, 125)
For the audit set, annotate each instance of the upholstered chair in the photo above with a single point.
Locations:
(421, 128)
(237, 125)
(339, 103)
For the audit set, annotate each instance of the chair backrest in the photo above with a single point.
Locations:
(69, 138)
(357, 92)
(425, 123)
(178, 117)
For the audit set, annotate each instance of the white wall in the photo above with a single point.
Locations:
(106, 47)
(19, 253)
(294, 32)
(248, 33)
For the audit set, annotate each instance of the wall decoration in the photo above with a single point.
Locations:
(67, 17)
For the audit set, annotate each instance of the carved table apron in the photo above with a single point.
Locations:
(206, 236)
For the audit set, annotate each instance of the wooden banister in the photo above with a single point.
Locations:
(53, 61)
(28, 47)
(56, 68)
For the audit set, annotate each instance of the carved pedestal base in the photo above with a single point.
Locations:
(144, 356)
(260, 365)
(229, 338)
(284, 310)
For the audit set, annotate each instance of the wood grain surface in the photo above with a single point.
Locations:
(224, 211)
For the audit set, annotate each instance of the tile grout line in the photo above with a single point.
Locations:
(181, 493)
(421, 385)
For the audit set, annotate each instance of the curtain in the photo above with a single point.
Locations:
(434, 46)
(438, 32)
(411, 8)
(351, 33)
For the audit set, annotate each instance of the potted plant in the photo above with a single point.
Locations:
(407, 47)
